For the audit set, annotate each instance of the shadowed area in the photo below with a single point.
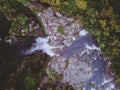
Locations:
(4, 26)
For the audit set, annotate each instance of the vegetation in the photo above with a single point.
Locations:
(99, 17)
(61, 30)
(53, 3)
(19, 25)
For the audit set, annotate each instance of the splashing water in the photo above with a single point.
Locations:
(41, 44)
(83, 32)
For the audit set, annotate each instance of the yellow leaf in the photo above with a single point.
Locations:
(103, 23)
(81, 4)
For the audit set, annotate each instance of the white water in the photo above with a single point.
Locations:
(41, 44)
(83, 32)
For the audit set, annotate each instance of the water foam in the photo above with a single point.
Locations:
(41, 44)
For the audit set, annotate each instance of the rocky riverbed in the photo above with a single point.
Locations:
(76, 59)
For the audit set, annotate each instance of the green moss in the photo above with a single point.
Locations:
(51, 75)
(19, 23)
(60, 76)
(61, 30)
(53, 3)
(69, 7)
(40, 21)
(66, 65)
(118, 79)
(25, 2)
(92, 84)
(29, 83)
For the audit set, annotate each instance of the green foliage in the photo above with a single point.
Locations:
(8, 7)
(20, 23)
(61, 30)
(32, 73)
(82, 4)
(52, 75)
(118, 79)
(29, 82)
(60, 76)
(69, 7)
(53, 3)
(25, 2)
(22, 19)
